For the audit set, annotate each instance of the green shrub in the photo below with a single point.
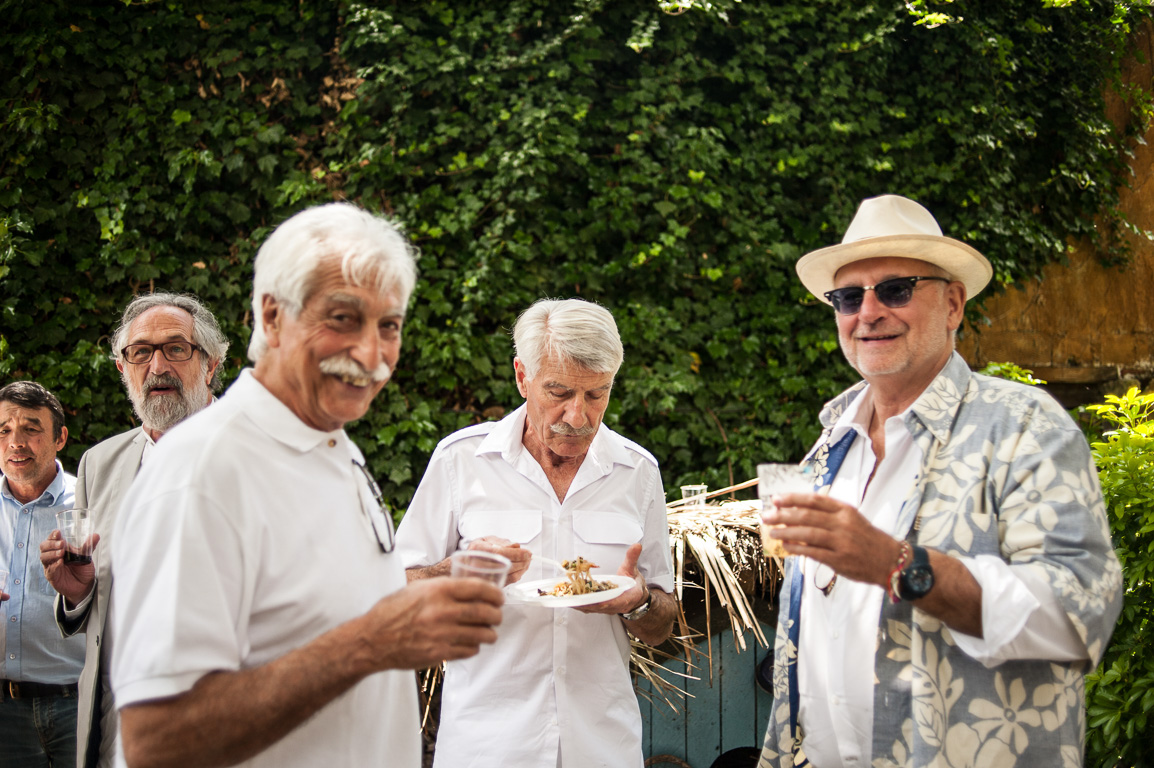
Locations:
(1120, 694)
(1012, 372)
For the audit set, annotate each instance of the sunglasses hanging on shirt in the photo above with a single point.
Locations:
(380, 520)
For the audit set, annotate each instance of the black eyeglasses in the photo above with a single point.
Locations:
(894, 293)
(381, 519)
(173, 351)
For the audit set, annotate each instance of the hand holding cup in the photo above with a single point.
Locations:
(75, 526)
(479, 564)
(775, 480)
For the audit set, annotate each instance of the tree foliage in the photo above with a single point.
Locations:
(670, 160)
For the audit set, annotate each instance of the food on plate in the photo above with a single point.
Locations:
(579, 581)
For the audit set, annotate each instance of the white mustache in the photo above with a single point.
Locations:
(563, 429)
(344, 365)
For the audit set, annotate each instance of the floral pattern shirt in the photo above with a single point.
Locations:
(1006, 472)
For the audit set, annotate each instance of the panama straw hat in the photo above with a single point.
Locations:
(894, 226)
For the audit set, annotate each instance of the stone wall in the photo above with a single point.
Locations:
(1085, 328)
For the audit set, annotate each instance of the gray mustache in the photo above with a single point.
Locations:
(563, 429)
(163, 380)
(346, 366)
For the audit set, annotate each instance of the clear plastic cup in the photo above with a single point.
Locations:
(477, 564)
(694, 495)
(75, 527)
(774, 480)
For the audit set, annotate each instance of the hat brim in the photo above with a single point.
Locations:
(964, 263)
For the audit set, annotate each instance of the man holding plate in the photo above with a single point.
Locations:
(549, 480)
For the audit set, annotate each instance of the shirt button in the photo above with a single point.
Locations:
(20, 545)
(836, 634)
(332, 443)
(17, 582)
(560, 670)
(835, 700)
(11, 655)
(13, 619)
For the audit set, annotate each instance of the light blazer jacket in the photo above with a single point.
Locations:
(106, 471)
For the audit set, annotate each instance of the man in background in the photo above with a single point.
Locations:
(39, 669)
(168, 349)
(550, 480)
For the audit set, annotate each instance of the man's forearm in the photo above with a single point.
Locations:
(956, 598)
(655, 626)
(428, 571)
(228, 717)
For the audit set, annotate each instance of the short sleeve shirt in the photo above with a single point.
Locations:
(245, 537)
(555, 679)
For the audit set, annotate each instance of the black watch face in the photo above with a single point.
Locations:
(919, 580)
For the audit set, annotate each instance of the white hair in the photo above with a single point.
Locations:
(206, 332)
(569, 331)
(371, 250)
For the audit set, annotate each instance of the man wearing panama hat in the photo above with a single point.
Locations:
(954, 578)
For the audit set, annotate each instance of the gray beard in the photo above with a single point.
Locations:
(162, 413)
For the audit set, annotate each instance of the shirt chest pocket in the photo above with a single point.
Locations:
(521, 526)
(604, 536)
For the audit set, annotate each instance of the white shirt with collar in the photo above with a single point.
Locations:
(244, 537)
(838, 637)
(557, 681)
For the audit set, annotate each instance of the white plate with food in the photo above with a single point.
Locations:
(541, 592)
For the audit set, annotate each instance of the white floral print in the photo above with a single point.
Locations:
(1006, 473)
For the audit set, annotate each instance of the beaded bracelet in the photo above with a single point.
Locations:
(896, 573)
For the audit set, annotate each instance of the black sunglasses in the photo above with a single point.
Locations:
(893, 293)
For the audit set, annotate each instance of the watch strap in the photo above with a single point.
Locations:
(918, 565)
(640, 610)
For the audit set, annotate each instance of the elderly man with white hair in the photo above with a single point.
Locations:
(169, 349)
(549, 480)
(261, 615)
(954, 581)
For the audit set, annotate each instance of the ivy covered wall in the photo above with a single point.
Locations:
(671, 166)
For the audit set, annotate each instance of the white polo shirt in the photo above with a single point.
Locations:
(556, 679)
(244, 538)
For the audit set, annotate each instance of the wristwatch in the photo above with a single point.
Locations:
(917, 578)
(639, 611)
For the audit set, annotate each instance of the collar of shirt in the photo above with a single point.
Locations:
(54, 490)
(935, 409)
(893, 479)
(603, 454)
(277, 420)
(149, 446)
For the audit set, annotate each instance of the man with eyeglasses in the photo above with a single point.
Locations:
(261, 615)
(953, 578)
(168, 348)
